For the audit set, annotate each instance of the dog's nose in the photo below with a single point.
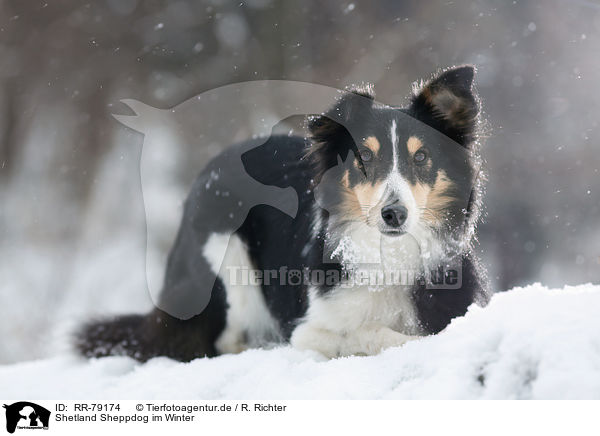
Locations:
(394, 215)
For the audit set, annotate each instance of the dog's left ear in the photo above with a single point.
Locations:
(449, 104)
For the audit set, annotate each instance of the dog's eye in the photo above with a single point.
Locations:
(366, 155)
(420, 157)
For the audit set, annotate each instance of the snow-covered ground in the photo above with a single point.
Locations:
(530, 342)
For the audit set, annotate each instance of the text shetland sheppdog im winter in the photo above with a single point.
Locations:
(378, 187)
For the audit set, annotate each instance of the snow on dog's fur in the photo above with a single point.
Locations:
(381, 190)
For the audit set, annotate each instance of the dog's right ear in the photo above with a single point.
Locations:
(331, 132)
(351, 108)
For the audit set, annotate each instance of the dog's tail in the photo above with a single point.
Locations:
(120, 336)
(146, 336)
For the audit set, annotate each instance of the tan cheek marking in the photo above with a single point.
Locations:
(358, 201)
(413, 144)
(346, 179)
(420, 192)
(442, 184)
(434, 200)
(372, 144)
(349, 205)
(367, 194)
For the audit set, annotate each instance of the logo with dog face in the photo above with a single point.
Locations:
(26, 415)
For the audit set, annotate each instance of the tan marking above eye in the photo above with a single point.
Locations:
(413, 145)
(372, 144)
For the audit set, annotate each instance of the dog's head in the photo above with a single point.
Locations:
(405, 170)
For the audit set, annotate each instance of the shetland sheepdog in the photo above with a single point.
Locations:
(376, 251)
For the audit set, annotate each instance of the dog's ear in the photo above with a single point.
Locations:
(449, 104)
(332, 131)
(353, 106)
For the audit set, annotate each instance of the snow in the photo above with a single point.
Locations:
(530, 342)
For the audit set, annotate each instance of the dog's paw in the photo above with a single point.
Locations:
(231, 341)
(361, 342)
(326, 342)
(379, 339)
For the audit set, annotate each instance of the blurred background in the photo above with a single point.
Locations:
(72, 224)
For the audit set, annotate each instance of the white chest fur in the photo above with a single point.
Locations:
(346, 309)
(361, 316)
(355, 321)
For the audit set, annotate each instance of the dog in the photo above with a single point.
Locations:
(382, 193)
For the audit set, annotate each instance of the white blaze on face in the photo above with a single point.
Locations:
(399, 185)
(394, 138)
(401, 190)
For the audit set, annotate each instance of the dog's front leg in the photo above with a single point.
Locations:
(367, 340)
